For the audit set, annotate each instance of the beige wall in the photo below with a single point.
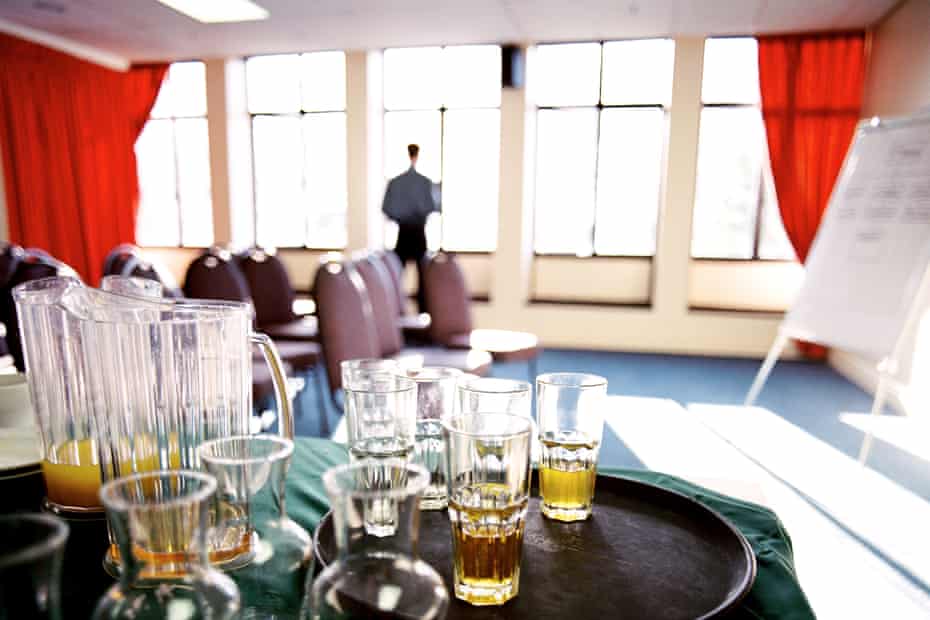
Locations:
(634, 304)
(898, 83)
(898, 80)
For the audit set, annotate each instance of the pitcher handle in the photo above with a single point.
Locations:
(279, 380)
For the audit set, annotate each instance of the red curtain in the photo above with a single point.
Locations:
(811, 88)
(67, 134)
(811, 100)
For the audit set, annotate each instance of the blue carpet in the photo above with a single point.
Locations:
(809, 395)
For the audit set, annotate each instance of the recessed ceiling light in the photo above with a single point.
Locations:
(218, 11)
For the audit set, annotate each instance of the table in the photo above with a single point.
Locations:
(776, 593)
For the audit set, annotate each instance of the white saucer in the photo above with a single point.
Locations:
(19, 450)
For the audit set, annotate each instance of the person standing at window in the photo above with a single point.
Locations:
(409, 199)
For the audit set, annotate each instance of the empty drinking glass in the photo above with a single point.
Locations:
(490, 394)
(571, 423)
(364, 368)
(31, 550)
(377, 576)
(160, 521)
(381, 417)
(435, 400)
(488, 468)
(250, 474)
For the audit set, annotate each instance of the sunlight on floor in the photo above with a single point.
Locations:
(841, 577)
(910, 434)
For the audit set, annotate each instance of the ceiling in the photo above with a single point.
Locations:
(146, 30)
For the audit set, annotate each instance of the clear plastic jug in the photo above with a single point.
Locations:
(129, 383)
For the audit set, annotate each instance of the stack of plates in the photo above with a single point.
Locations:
(21, 483)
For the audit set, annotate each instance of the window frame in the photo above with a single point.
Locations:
(174, 118)
(299, 115)
(442, 109)
(600, 107)
(764, 174)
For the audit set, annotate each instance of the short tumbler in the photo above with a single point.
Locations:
(570, 414)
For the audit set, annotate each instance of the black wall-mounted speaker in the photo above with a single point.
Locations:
(513, 66)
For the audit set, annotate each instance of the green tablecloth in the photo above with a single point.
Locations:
(775, 594)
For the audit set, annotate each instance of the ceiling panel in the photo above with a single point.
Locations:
(147, 30)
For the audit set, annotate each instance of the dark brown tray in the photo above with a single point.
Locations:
(645, 553)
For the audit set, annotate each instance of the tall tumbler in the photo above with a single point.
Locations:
(435, 400)
(31, 550)
(571, 424)
(488, 468)
(365, 368)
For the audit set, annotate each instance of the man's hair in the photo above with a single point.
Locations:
(413, 150)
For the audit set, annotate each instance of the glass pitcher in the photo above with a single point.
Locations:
(124, 384)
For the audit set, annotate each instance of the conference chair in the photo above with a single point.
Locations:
(34, 264)
(415, 326)
(390, 338)
(449, 302)
(273, 297)
(215, 275)
(10, 257)
(129, 261)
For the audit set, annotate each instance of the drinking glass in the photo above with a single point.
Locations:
(377, 576)
(381, 417)
(435, 400)
(570, 414)
(160, 522)
(490, 394)
(364, 369)
(250, 474)
(31, 551)
(488, 469)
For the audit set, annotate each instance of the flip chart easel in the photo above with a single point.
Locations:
(869, 263)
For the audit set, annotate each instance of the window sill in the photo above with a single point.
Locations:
(540, 301)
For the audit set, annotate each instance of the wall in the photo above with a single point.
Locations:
(643, 304)
(898, 83)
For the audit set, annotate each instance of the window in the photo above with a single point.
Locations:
(297, 103)
(600, 145)
(735, 211)
(447, 100)
(173, 160)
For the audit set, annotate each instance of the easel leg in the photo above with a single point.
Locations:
(766, 369)
(877, 406)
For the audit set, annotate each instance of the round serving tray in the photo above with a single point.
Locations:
(646, 552)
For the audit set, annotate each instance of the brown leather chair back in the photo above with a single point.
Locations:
(446, 297)
(395, 270)
(119, 258)
(215, 275)
(383, 304)
(10, 258)
(346, 321)
(35, 265)
(272, 293)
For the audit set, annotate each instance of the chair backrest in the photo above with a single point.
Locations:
(35, 265)
(10, 257)
(142, 268)
(269, 285)
(119, 258)
(215, 275)
(346, 321)
(395, 270)
(446, 297)
(383, 303)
